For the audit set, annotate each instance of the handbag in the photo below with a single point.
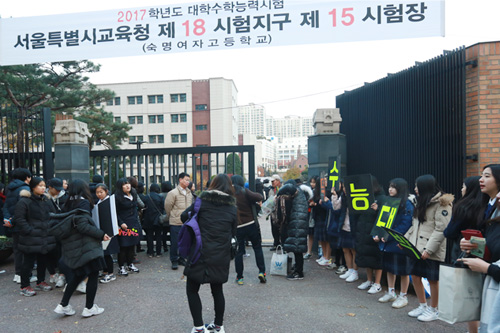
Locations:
(460, 292)
(279, 262)
(162, 218)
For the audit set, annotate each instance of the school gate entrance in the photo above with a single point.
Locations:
(410, 123)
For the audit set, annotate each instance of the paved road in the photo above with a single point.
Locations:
(154, 301)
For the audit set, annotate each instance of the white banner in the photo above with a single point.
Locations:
(216, 25)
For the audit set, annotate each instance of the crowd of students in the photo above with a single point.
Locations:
(36, 215)
(429, 219)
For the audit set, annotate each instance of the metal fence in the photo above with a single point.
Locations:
(165, 164)
(410, 123)
(26, 138)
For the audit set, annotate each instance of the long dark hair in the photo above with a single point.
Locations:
(317, 188)
(401, 187)
(222, 183)
(119, 194)
(427, 188)
(77, 190)
(468, 208)
(238, 183)
(377, 189)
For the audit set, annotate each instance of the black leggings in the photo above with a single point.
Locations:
(91, 289)
(109, 263)
(126, 255)
(192, 289)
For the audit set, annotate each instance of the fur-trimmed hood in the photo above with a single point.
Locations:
(444, 199)
(25, 194)
(307, 191)
(218, 198)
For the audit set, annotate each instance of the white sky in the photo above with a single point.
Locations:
(284, 74)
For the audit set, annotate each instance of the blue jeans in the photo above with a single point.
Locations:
(174, 248)
(251, 233)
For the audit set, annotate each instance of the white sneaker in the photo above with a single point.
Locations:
(202, 329)
(400, 302)
(341, 270)
(388, 297)
(65, 310)
(82, 287)
(353, 277)
(320, 259)
(331, 266)
(212, 328)
(61, 281)
(94, 311)
(418, 311)
(375, 288)
(17, 278)
(345, 275)
(325, 262)
(53, 278)
(365, 285)
(430, 314)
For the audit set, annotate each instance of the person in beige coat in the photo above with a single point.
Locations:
(177, 201)
(430, 217)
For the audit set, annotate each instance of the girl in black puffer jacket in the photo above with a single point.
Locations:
(81, 246)
(32, 219)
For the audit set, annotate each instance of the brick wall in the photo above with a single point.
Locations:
(483, 106)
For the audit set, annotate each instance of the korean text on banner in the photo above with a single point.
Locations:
(217, 25)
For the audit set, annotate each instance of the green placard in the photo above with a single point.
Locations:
(409, 249)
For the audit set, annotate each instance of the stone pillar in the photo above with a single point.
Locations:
(71, 149)
(326, 142)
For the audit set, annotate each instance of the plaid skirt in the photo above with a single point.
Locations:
(320, 231)
(346, 240)
(395, 263)
(425, 268)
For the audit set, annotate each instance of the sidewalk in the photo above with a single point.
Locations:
(154, 301)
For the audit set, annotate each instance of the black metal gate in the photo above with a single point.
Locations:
(157, 165)
(26, 137)
(410, 123)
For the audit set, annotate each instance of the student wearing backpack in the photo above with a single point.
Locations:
(217, 221)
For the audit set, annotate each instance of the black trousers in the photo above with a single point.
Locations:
(91, 289)
(154, 235)
(192, 289)
(27, 267)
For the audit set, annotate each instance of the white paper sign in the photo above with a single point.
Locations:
(220, 25)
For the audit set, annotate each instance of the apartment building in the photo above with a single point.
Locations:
(176, 113)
